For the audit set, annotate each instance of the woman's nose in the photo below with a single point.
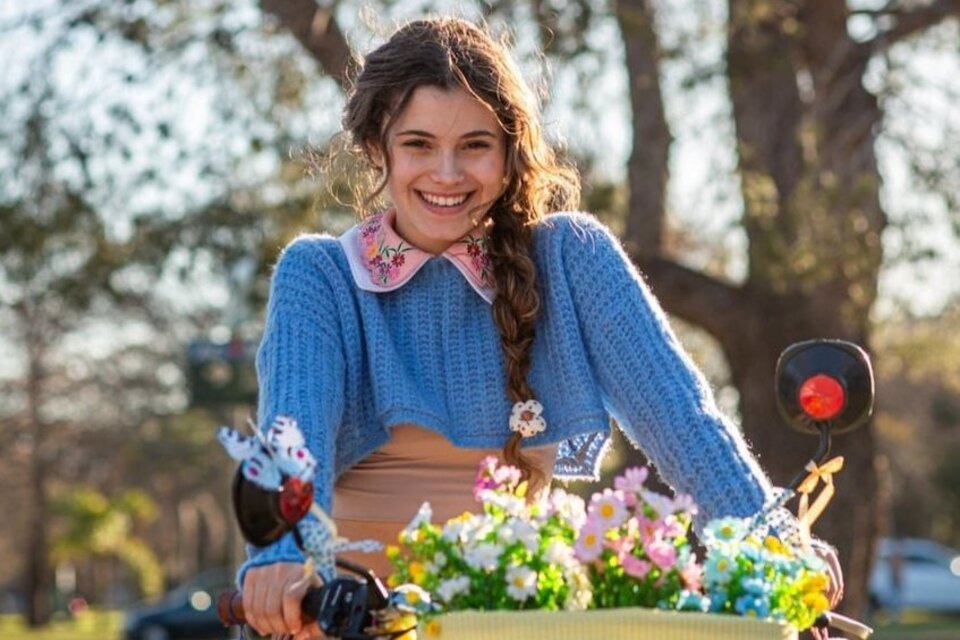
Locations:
(447, 169)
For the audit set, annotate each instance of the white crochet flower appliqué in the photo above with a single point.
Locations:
(527, 418)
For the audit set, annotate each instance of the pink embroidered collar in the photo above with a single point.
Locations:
(380, 260)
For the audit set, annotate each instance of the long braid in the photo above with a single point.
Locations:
(515, 310)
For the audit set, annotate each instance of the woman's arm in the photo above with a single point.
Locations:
(661, 401)
(300, 367)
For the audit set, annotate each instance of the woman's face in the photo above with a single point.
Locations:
(448, 164)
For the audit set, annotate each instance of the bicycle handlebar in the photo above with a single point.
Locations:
(230, 607)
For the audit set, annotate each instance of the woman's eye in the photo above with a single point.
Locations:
(416, 144)
(478, 144)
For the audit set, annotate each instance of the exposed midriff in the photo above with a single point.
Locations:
(377, 497)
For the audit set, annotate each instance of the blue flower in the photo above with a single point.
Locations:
(724, 531)
(752, 606)
(757, 586)
(719, 568)
(690, 601)
(718, 600)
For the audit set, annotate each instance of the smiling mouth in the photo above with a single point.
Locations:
(444, 201)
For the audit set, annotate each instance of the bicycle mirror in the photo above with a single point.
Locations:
(264, 515)
(824, 382)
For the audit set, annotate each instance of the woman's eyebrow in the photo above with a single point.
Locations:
(426, 134)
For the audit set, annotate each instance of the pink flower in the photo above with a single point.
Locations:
(661, 553)
(672, 527)
(485, 477)
(683, 502)
(635, 567)
(692, 574)
(621, 546)
(589, 543)
(663, 505)
(608, 508)
(649, 529)
(632, 480)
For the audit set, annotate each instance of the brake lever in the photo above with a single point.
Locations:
(843, 623)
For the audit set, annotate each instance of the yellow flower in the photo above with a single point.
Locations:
(433, 628)
(393, 581)
(399, 623)
(409, 537)
(815, 582)
(392, 551)
(417, 572)
(816, 600)
(775, 545)
(521, 490)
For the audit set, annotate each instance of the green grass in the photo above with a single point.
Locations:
(89, 625)
(919, 631)
(918, 626)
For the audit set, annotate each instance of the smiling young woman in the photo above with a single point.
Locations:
(447, 166)
(382, 343)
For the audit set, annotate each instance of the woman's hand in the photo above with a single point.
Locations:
(835, 589)
(271, 599)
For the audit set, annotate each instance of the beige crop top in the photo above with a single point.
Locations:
(377, 497)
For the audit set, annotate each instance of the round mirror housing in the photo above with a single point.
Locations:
(257, 511)
(824, 382)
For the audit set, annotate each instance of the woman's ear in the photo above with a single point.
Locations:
(375, 154)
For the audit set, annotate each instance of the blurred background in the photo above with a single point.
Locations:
(780, 170)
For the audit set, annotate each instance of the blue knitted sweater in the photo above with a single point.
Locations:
(349, 364)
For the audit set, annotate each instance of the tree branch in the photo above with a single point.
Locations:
(317, 30)
(647, 166)
(695, 297)
(908, 22)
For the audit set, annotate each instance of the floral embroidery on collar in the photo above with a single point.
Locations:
(384, 256)
(476, 248)
(391, 261)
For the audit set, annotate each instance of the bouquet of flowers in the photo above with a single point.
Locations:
(757, 575)
(634, 545)
(628, 547)
(513, 555)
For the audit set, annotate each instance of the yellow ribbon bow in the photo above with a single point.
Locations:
(808, 513)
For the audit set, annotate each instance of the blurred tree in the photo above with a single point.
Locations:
(125, 232)
(97, 526)
(918, 424)
(57, 270)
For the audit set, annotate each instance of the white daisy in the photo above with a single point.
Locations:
(521, 582)
(484, 557)
(451, 588)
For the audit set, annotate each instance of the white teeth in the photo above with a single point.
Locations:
(444, 201)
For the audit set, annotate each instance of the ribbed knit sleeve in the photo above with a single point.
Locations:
(300, 368)
(657, 395)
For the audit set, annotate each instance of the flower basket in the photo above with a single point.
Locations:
(629, 623)
(620, 566)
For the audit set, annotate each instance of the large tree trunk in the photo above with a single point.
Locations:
(813, 220)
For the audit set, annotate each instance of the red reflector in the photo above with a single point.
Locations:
(822, 397)
(296, 497)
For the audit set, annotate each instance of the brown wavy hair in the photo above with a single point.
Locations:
(451, 53)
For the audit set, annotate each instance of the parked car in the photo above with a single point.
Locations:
(186, 613)
(929, 576)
